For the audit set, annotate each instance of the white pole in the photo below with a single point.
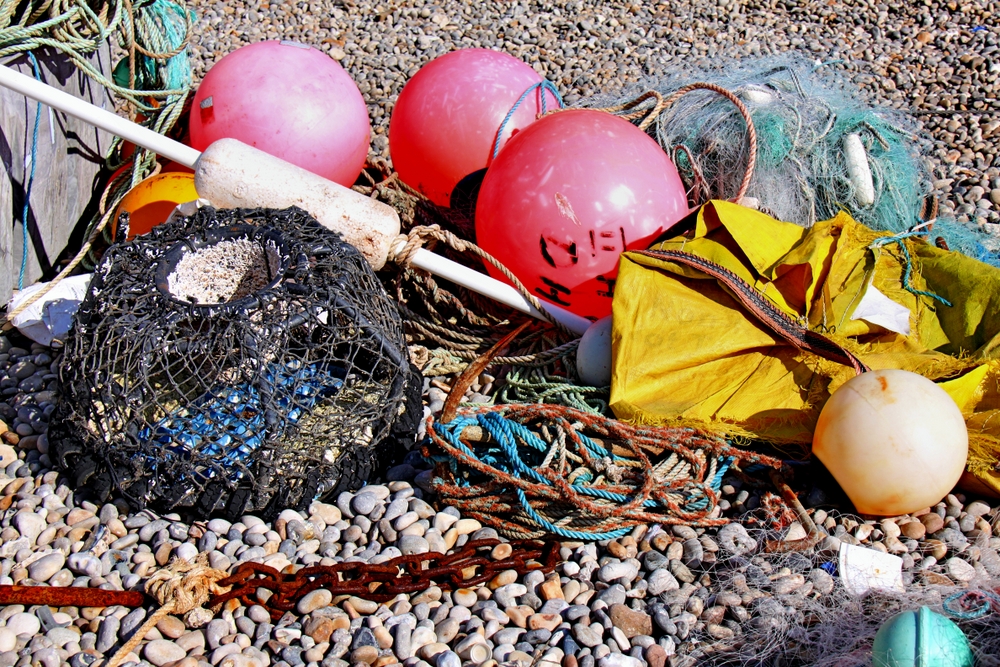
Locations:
(187, 156)
(106, 120)
(492, 288)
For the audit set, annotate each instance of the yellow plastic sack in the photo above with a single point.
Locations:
(686, 351)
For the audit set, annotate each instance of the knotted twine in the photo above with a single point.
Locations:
(180, 588)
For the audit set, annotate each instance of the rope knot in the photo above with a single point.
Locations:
(185, 585)
(606, 466)
(180, 588)
(416, 239)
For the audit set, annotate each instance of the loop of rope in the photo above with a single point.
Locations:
(900, 239)
(968, 605)
(542, 87)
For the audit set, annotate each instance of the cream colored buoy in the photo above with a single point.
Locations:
(894, 441)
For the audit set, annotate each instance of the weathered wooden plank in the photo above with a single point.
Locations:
(68, 160)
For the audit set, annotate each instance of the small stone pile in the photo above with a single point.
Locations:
(656, 596)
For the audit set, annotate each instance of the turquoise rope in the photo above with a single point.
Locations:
(513, 438)
(564, 532)
(908, 267)
(986, 601)
(31, 179)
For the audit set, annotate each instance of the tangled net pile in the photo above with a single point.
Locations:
(233, 361)
(836, 628)
(802, 113)
(534, 470)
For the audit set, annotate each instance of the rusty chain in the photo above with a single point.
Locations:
(470, 566)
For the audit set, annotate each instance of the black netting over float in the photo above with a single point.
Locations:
(233, 361)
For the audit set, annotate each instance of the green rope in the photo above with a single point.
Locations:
(537, 385)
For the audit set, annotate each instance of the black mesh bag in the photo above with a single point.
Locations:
(233, 361)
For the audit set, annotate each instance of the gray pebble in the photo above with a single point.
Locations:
(363, 503)
(412, 544)
(160, 652)
(107, 633)
(447, 659)
(131, 622)
(215, 631)
(208, 541)
(617, 570)
(612, 595)
(44, 568)
(587, 635)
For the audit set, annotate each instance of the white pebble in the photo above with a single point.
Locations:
(186, 551)
(24, 624)
(960, 570)
(29, 524)
(8, 640)
(314, 600)
(160, 652)
(619, 660)
(46, 566)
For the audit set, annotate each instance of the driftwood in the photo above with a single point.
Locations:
(68, 162)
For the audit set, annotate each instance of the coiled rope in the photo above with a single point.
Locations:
(534, 470)
(967, 605)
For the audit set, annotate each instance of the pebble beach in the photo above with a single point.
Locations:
(663, 595)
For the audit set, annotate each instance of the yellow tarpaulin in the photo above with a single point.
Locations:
(685, 350)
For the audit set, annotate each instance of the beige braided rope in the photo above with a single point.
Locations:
(419, 236)
(180, 588)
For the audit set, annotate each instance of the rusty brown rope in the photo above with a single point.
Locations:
(533, 470)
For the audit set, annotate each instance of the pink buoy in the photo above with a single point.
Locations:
(567, 196)
(288, 100)
(446, 119)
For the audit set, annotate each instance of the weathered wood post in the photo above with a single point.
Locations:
(68, 158)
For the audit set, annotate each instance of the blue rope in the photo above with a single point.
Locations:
(31, 179)
(514, 439)
(174, 21)
(954, 609)
(544, 86)
(565, 532)
(908, 267)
